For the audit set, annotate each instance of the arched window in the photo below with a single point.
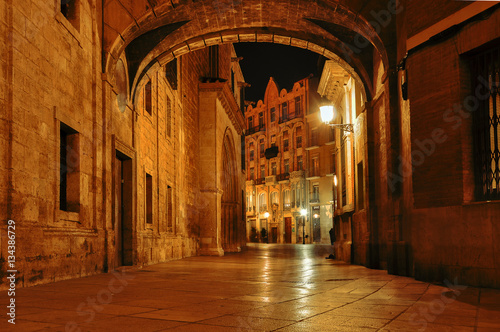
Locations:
(262, 202)
(275, 198)
(286, 200)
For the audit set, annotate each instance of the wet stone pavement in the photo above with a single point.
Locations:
(265, 288)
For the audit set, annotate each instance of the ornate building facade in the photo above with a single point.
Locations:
(276, 154)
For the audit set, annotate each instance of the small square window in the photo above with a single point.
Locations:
(70, 10)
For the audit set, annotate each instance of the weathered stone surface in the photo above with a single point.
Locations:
(57, 77)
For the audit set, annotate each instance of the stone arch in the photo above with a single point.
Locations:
(154, 61)
(176, 27)
(229, 200)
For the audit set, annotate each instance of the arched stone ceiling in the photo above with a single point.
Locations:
(153, 32)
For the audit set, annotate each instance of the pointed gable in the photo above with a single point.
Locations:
(272, 91)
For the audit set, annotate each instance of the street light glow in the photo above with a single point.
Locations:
(326, 113)
(335, 180)
(266, 215)
(303, 212)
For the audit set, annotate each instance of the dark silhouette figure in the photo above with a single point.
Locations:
(263, 235)
(332, 240)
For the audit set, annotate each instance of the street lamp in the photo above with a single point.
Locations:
(334, 193)
(303, 213)
(327, 112)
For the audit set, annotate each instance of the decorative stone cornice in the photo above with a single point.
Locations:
(332, 81)
(226, 97)
(335, 75)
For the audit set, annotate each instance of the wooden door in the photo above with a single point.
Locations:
(274, 235)
(288, 230)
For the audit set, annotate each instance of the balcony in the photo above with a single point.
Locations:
(283, 177)
(256, 129)
(297, 175)
(270, 180)
(260, 181)
(289, 117)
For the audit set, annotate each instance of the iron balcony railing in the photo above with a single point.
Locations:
(289, 117)
(256, 129)
(283, 177)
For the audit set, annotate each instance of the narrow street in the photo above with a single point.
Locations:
(265, 288)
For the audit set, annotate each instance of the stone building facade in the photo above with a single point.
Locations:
(78, 80)
(103, 169)
(345, 155)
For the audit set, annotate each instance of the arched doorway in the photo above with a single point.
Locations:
(229, 201)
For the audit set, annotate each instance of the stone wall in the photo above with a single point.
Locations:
(50, 74)
(53, 87)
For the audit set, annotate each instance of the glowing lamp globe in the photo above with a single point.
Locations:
(326, 112)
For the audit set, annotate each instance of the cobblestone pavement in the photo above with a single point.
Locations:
(265, 288)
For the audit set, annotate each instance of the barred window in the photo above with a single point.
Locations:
(485, 85)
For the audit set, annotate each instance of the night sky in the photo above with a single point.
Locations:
(286, 64)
